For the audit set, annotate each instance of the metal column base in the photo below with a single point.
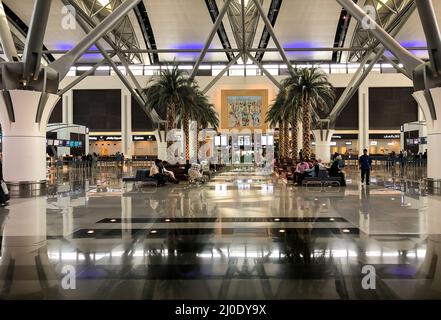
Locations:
(27, 188)
(433, 186)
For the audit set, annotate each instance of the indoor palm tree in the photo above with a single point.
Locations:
(312, 91)
(171, 90)
(276, 116)
(196, 109)
(206, 117)
(292, 110)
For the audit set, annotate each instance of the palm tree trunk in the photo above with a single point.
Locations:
(186, 136)
(286, 139)
(307, 130)
(281, 138)
(171, 120)
(294, 131)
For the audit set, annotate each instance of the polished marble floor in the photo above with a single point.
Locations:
(241, 236)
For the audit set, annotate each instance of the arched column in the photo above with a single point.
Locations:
(24, 116)
(433, 131)
(323, 144)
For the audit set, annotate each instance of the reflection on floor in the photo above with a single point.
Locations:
(241, 236)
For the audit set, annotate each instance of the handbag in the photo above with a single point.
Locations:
(4, 188)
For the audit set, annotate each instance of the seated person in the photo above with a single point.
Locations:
(335, 171)
(170, 174)
(312, 172)
(300, 169)
(341, 162)
(195, 173)
(321, 165)
(157, 172)
(187, 167)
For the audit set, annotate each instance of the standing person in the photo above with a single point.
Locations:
(4, 194)
(365, 163)
(94, 160)
(401, 158)
(117, 158)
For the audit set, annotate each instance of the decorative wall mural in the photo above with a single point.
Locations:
(244, 109)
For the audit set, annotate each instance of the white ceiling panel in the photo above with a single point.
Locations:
(306, 24)
(182, 24)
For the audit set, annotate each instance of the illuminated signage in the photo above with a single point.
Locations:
(144, 138)
(105, 138)
(385, 136)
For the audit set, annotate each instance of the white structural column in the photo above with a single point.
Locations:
(363, 118)
(300, 135)
(126, 124)
(67, 109)
(24, 135)
(67, 118)
(193, 141)
(162, 145)
(323, 144)
(433, 131)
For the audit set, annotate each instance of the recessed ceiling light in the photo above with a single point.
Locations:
(346, 230)
(282, 231)
(112, 220)
(332, 219)
(153, 231)
(167, 220)
(91, 231)
(276, 219)
(324, 204)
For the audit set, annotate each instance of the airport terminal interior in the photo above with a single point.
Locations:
(220, 149)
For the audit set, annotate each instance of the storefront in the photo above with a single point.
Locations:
(145, 145)
(344, 144)
(381, 144)
(105, 145)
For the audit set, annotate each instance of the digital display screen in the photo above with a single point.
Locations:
(224, 141)
(270, 140)
(264, 140)
(50, 142)
(217, 141)
(56, 142)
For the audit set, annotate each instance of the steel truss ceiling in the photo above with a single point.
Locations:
(21, 27)
(244, 26)
(387, 14)
(123, 34)
(222, 34)
(266, 36)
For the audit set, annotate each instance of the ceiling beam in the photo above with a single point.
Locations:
(210, 39)
(63, 64)
(34, 40)
(6, 39)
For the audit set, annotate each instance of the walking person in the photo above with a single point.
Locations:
(365, 164)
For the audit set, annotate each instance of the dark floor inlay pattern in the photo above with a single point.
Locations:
(227, 219)
(161, 233)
